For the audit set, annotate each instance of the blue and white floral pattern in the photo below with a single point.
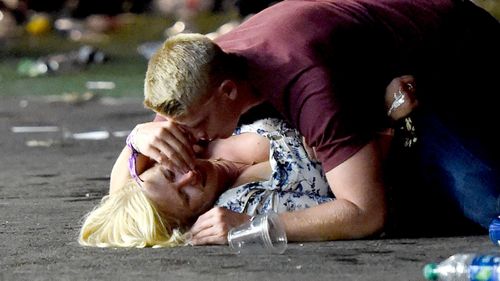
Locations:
(296, 182)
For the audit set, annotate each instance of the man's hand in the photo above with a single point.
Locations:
(165, 143)
(213, 226)
(400, 97)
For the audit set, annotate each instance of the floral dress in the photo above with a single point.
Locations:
(296, 182)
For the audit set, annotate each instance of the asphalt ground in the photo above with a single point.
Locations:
(49, 180)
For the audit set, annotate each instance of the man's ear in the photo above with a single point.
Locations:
(229, 89)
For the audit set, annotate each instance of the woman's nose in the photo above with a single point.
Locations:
(188, 179)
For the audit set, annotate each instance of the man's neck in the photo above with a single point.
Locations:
(249, 96)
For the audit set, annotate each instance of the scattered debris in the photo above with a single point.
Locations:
(23, 103)
(38, 24)
(34, 129)
(100, 85)
(94, 135)
(40, 143)
(120, 134)
(61, 63)
(148, 49)
(225, 28)
(76, 98)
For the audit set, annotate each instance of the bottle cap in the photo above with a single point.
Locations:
(495, 231)
(430, 271)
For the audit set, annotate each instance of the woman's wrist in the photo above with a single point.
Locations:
(132, 161)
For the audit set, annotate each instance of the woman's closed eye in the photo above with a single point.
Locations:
(169, 175)
(183, 195)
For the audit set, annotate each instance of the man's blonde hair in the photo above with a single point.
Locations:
(127, 218)
(183, 70)
(178, 73)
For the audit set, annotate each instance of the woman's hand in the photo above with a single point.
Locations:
(165, 143)
(212, 227)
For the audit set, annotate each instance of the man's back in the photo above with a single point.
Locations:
(319, 55)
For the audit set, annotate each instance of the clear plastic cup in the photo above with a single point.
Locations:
(265, 234)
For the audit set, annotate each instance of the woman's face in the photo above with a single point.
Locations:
(176, 197)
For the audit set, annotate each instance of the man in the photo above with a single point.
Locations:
(324, 65)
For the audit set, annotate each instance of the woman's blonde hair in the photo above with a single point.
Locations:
(182, 71)
(127, 218)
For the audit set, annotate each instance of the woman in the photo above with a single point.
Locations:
(162, 205)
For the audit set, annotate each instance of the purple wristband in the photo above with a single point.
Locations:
(132, 159)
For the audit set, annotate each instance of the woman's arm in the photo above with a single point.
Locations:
(120, 173)
(246, 148)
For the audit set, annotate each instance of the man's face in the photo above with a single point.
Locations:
(183, 202)
(213, 118)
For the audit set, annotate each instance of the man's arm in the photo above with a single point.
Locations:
(353, 166)
(359, 209)
(360, 206)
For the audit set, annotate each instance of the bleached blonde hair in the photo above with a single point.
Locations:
(127, 218)
(182, 71)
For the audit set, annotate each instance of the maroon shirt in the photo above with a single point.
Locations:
(325, 64)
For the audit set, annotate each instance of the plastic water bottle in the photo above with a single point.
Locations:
(465, 267)
(495, 231)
